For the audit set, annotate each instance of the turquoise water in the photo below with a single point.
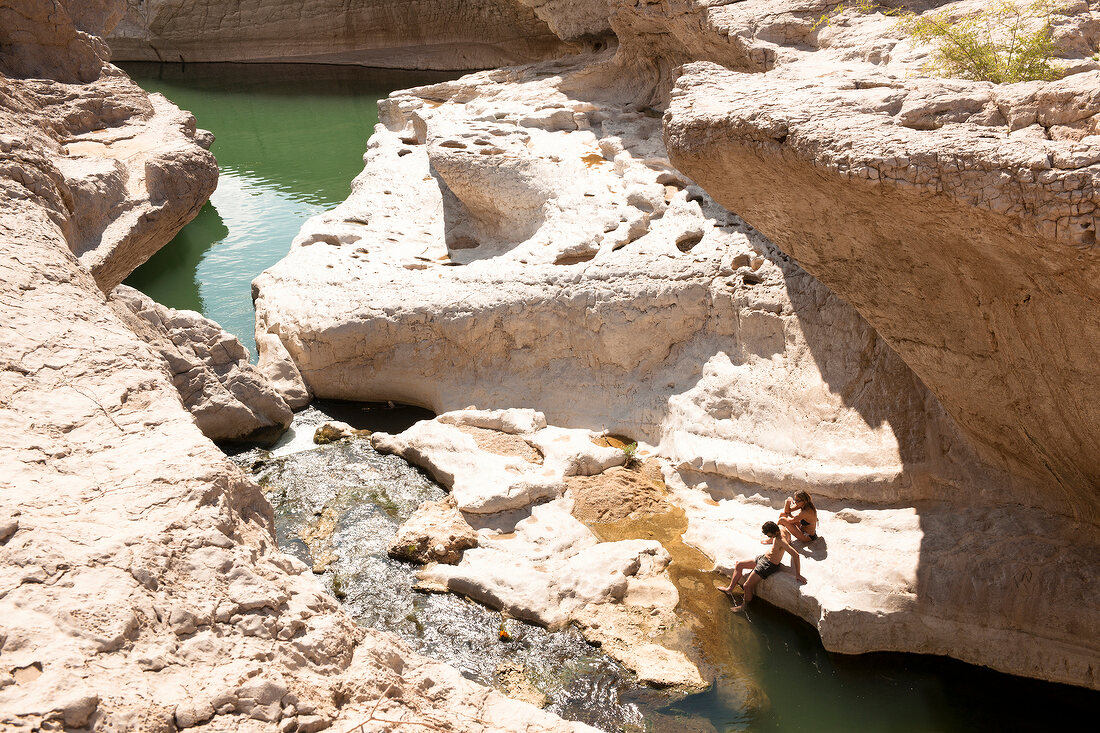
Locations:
(289, 140)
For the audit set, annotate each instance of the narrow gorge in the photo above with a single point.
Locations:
(611, 281)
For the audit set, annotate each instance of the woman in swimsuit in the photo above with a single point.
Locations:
(803, 524)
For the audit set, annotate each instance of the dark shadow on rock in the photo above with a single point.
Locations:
(503, 522)
(815, 550)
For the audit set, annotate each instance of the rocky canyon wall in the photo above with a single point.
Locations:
(524, 237)
(418, 34)
(122, 171)
(958, 217)
(140, 584)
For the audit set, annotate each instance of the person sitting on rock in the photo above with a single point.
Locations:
(764, 565)
(803, 524)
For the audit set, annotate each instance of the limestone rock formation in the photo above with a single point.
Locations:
(56, 39)
(530, 243)
(497, 461)
(942, 191)
(140, 584)
(281, 371)
(122, 171)
(919, 201)
(574, 20)
(530, 557)
(672, 321)
(881, 575)
(229, 398)
(436, 532)
(416, 34)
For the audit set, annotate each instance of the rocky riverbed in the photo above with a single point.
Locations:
(766, 247)
(550, 237)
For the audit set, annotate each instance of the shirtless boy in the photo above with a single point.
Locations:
(765, 565)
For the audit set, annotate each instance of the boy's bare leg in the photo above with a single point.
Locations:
(753, 579)
(737, 577)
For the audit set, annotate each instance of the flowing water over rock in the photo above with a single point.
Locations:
(338, 505)
(336, 508)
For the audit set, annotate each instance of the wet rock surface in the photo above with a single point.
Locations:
(533, 559)
(367, 497)
(436, 532)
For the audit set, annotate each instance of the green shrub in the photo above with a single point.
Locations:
(1009, 41)
(630, 452)
(1006, 43)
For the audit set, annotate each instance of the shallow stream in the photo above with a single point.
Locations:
(289, 140)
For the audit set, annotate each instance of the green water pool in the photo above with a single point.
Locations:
(289, 141)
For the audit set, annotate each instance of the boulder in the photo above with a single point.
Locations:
(436, 532)
(230, 398)
(487, 476)
(281, 372)
(332, 431)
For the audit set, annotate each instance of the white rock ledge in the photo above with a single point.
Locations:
(534, 560)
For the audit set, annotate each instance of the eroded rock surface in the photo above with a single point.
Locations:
(538, 250)
(958, 217)
(487, 476)
(879, 574)
(120, 171)
(436, 532)
(533, 558)
(529, 243)
(140, 584)
(417, 34)
(229, 398)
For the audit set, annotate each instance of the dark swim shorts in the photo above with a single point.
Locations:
(765, 567)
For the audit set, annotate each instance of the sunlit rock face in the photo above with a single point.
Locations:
(120, 171)
(417, 34)
(143, 589)
(958, 217)
(509, 473)
(524, 238)
(552, 258)
(229, 398)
